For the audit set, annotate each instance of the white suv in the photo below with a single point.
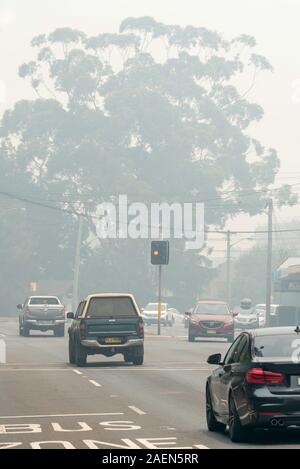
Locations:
(150, 314)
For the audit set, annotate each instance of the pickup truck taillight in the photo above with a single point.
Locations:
(141, 330)
(27, 311)
(63, 312)
(82, 330)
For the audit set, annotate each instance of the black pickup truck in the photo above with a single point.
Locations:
(106, 324)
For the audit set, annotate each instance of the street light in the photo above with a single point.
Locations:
(228, 273)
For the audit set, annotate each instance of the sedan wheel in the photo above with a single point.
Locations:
(237, 432)
(212, 424)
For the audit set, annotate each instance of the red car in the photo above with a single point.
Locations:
(211, 319)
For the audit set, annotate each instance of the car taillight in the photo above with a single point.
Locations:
(82, 331)
(259, 376)
(63, 312)
(141, 330)
(27, 311)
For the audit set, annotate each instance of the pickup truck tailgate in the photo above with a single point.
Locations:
(46, 313)
(118, 327)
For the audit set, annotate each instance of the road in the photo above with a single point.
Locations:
(46, 403)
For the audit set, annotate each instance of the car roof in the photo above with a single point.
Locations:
(211, 302)
(109, 295)
(43, 296)
(156, 303)
(269, 331)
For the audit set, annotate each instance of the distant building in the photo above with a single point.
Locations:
(287, 282)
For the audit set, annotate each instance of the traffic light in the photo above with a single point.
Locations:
(160, 252)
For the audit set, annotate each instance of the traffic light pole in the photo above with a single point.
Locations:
(159, 299)
(159, 257)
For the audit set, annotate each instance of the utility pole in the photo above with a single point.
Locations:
(269, 262)
(75, 298)
(228, 270)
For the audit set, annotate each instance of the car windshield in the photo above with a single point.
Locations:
(104, 307)
(212, 309)
(275, 346)
(44, 301)
(246, 312)
(154, 307)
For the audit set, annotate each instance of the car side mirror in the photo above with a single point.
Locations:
(19, 306)
(70, 316)
(188, 313)
(234, 314)
(215, 359)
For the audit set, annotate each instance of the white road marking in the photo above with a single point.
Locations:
(136, 410)
(95, 383)
(170, 362)
(99, 414)
(5, 368)
(37, 364)
(116, 368)
(32, 369)
(77, 372)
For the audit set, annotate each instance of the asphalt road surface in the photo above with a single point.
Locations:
(46, 403)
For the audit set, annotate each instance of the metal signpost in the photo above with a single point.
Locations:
(159, 257)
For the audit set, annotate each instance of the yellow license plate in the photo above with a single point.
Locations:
(211, 331)
(112, 340)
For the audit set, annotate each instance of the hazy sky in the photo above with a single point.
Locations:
(274, 23)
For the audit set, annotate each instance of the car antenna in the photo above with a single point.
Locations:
(297, 330)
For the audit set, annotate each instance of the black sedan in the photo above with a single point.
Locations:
(257, 385)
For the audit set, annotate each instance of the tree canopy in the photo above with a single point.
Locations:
(158, 112)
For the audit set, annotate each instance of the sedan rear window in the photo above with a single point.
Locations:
(276, 346)
(111, 307)
(44, 301)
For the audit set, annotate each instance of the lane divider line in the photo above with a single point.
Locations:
(78, 372)
(15, 370)
(95, 383)
(136, 410)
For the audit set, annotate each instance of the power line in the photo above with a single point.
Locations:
(95, 217)
(242, 193)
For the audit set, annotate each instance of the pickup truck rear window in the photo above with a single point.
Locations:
(44, 301)
(111, 307)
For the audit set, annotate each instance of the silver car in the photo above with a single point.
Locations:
(42, 313)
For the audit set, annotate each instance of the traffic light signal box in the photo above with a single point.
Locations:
(160, 252)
